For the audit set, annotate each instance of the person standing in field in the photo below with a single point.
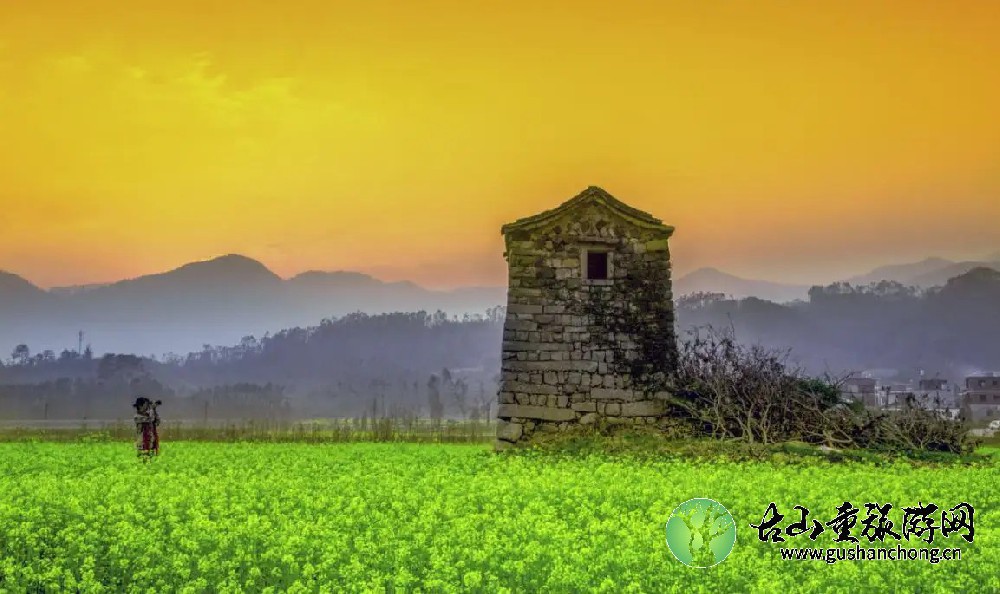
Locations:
(147, 420)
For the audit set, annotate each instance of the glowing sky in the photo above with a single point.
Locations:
(796, 141)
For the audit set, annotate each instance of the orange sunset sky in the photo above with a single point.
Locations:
(793, 141)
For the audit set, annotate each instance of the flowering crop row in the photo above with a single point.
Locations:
(435, 518)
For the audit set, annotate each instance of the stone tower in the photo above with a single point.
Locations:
(555, 370)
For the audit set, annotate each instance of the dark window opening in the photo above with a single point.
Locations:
(597, 265)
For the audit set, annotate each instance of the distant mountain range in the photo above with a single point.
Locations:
(212, 302)
(712, 280)
(221, 300)
(931, 272)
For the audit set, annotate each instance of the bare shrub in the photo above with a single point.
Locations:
(733, 391)
(729, 390)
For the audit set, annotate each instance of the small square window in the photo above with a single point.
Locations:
(597, 265)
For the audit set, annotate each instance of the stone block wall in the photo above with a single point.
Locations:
(555, 371)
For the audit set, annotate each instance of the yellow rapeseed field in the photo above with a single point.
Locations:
(211, 517)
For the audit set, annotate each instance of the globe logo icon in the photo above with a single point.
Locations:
(701, 532)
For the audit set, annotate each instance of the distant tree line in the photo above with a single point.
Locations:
(374, 365)
(951, 330)
(434, 366)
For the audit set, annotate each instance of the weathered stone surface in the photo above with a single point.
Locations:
(644, 408)
(523, 345)
(522, 308)
(612, 393)
(524, 325)
(530, 388)
(657, 245)
(509, 431)
(555, 365)
(501, 445)
(543, 413)
(618, 420)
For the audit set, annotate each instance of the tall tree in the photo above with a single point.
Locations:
(21, 355)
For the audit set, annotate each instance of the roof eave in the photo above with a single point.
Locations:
(591, 193)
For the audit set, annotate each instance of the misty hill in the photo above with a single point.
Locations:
(226, 286)
(940, 277)
(16, 292)
(76, 289)
(931, 272)
(341, 366)
(212, 302)
(712, 280)
(950, 329)
(222, 300)
(927, 273)
(349, 366)
(900, 273)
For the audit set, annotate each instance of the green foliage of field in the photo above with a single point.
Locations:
(210, 517)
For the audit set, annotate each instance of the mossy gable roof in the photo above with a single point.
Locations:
(592, 195)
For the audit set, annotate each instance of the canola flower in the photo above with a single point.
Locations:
(208, 517)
